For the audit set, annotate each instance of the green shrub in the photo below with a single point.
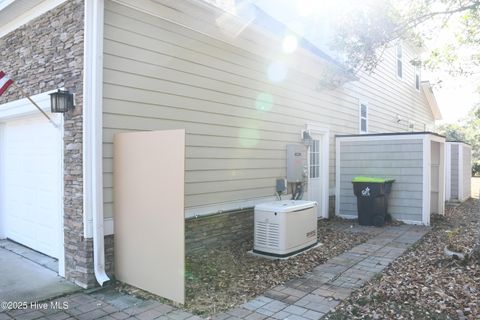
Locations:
(476, 168)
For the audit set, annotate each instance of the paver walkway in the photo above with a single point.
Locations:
(309, 297)
(318, 292)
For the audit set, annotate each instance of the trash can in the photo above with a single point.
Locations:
(372, 199)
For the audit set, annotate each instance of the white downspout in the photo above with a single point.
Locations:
(92, 112)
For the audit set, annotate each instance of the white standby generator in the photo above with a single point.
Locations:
(285, 227)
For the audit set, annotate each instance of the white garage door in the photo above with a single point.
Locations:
(32, 184)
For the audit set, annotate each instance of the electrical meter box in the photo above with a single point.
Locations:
(296, 162)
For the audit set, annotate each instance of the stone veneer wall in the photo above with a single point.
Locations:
(218, 230)
(224, 229)
(46, 54)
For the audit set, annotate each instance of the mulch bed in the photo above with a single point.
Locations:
(424, 283)
(224, 278)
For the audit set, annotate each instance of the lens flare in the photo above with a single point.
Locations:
(264, 102)
(306, 8)
(248, 137)
(277, 71)
(290, 44)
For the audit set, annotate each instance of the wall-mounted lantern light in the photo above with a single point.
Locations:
(307, 138)
(61, 101)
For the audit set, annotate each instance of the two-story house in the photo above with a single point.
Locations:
(242, 88)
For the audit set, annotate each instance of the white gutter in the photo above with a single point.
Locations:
(92, 130)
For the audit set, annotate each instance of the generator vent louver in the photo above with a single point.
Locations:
(267, 234)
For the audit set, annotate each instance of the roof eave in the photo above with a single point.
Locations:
(432, 101)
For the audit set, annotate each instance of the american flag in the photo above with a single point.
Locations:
(5, 82)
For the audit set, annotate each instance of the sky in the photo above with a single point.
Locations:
(455, 95)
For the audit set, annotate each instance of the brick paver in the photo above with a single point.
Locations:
(307, 298)
(318, 292)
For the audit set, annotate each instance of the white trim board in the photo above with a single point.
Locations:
(199, 211)
(23, 107)
(426, 194)
(24, 18)
(375, 137)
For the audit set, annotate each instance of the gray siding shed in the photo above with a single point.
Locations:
(458, 171)
(401, 157)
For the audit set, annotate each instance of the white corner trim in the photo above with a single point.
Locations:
(461, 195)
(448, 171)
(28, 16)
(441, 180)
(337, 177)
(92, 128)
(426, 194)
(61, 235)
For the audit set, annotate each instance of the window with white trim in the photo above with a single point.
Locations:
(315, 159)
(363, 117)
(417, 77)
(399, 56)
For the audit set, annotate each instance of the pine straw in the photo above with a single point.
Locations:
(424, 283)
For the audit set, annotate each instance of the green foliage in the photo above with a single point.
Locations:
(467, 130)
(476, 168)
(364, 29)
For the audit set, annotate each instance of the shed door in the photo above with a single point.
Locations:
(31, 174)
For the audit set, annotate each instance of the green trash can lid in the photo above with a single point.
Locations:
(372, 179)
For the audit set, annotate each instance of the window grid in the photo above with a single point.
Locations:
(399, 61)
(363, 118)
(315, 159)
(417, 77)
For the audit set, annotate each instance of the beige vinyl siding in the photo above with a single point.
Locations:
(184, 72)
(401, 160)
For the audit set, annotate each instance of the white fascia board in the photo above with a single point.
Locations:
(24, 18)
(23, 107)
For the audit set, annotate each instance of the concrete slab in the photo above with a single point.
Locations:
(26, 281)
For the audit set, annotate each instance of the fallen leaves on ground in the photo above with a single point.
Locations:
(224, 278)
(424, 283)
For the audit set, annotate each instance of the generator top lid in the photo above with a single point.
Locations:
(372, 179)
(285, 205)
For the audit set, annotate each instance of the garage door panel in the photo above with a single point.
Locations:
(32, 174)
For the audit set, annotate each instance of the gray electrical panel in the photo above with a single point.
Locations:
(296, 162)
